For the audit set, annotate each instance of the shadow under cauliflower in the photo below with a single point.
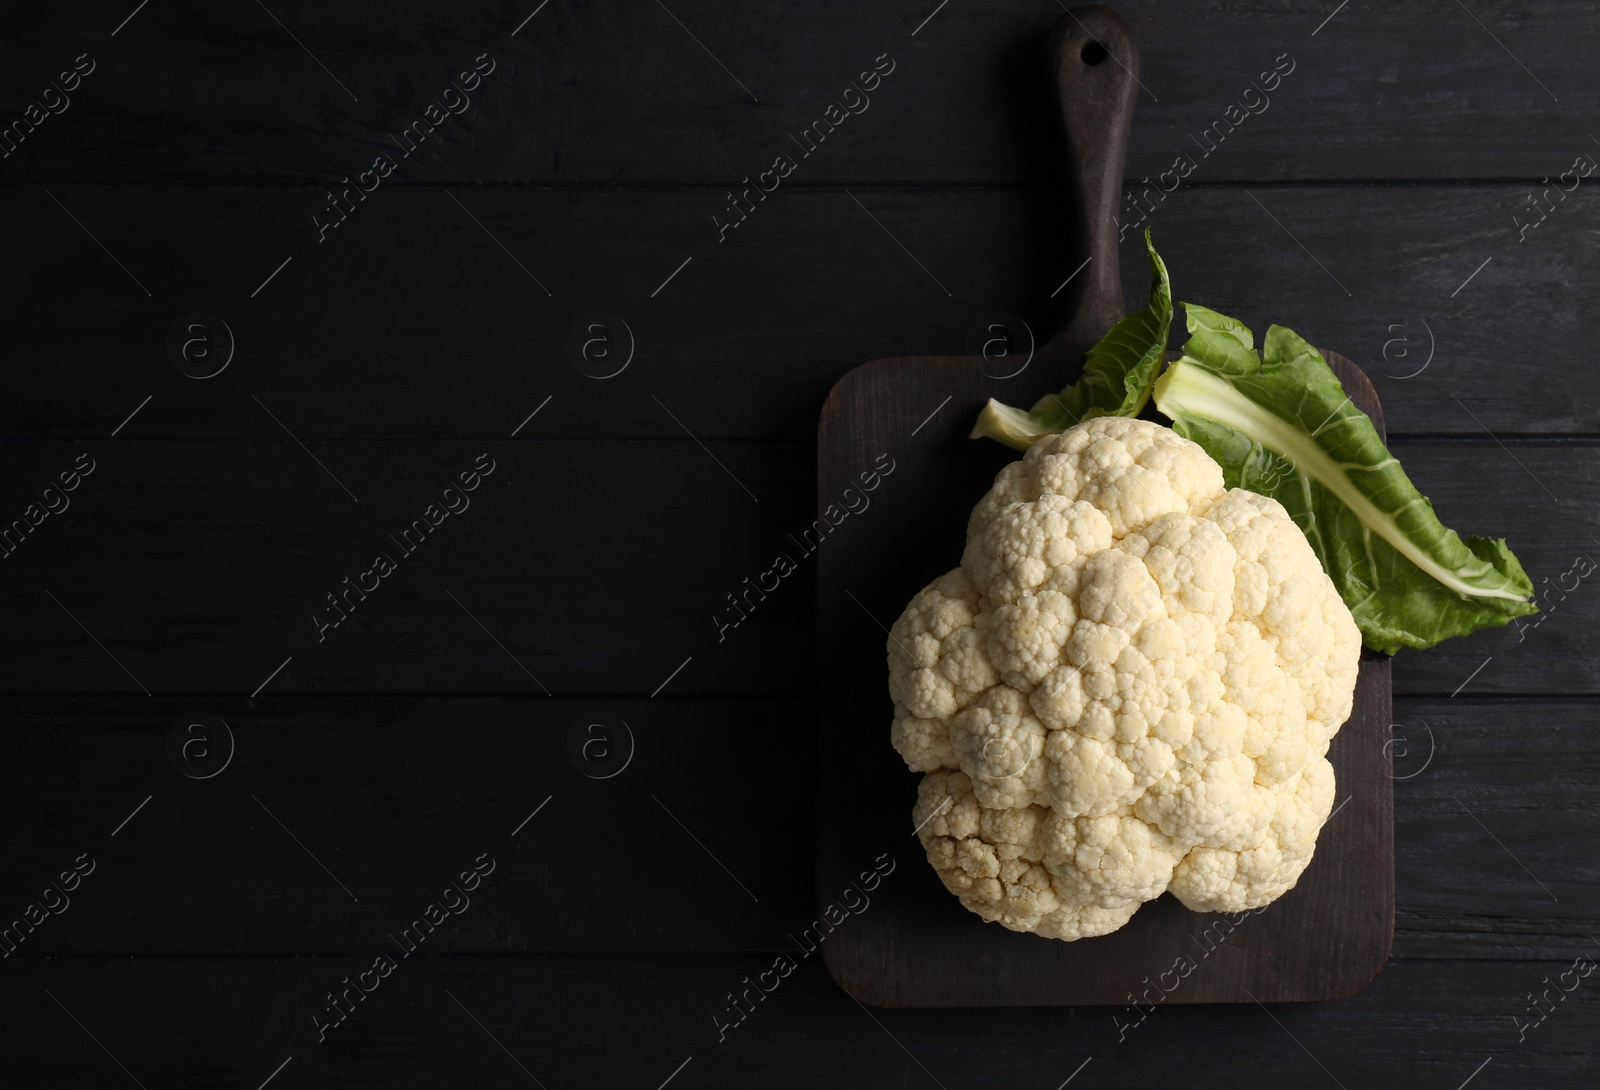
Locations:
(1127, 687)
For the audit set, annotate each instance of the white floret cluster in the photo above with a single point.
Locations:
(1127, 687)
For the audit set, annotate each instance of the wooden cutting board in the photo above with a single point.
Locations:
(899, 475)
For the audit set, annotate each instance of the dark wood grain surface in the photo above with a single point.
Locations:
(601, 95)
(354, 341)
(1371, 206)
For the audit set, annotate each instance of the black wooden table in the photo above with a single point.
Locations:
(393, 397)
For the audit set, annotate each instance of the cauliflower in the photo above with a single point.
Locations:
(1128, 687)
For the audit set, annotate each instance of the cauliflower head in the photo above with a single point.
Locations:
(1127, 687)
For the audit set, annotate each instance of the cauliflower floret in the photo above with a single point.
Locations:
(997, 743)
(1027, 544)
(938, 659)
(1128, 687)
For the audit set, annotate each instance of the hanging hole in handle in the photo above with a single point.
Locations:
(1094, 53)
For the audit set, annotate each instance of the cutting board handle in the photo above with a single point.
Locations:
(1097, 75)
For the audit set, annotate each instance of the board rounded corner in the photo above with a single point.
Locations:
(859, 987)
